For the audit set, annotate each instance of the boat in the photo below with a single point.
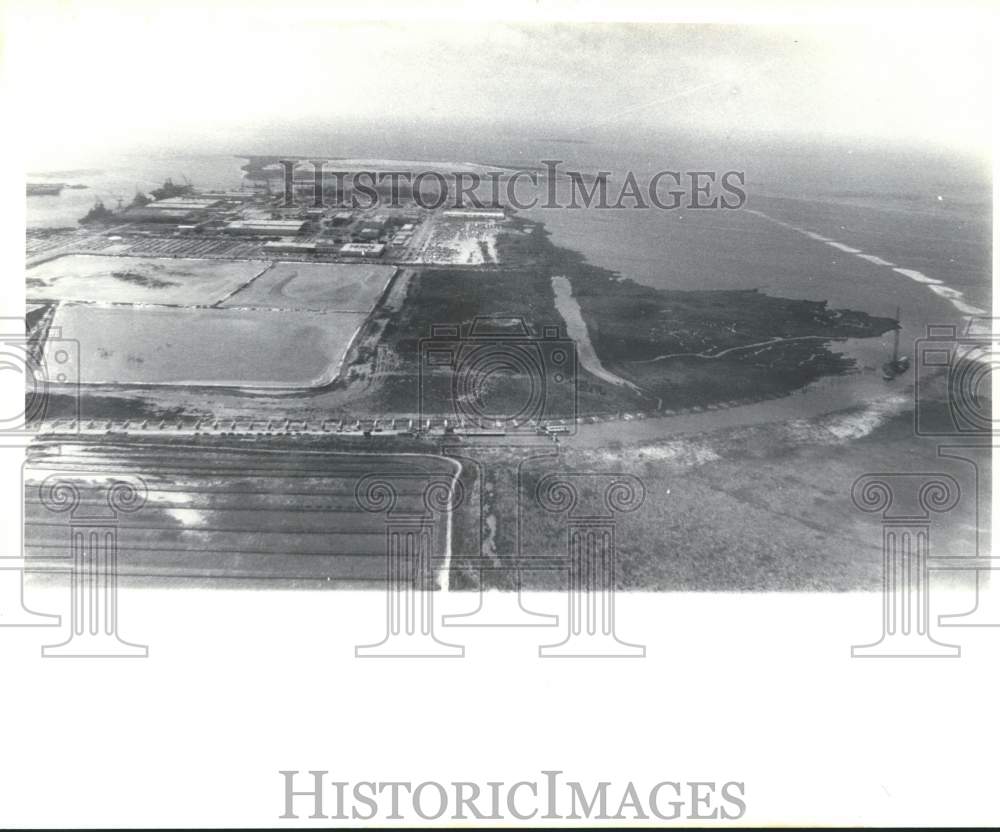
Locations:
(98, 214)
(44, 189)
(898, 364)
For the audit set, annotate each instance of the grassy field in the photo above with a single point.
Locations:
(692, 348)
(765, 508)
(161, 280)
(457, 298)
(341, 287)
(207, 347)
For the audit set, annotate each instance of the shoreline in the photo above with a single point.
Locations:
(826, 397)
(621, 328)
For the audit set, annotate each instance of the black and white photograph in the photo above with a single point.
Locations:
(569, 414)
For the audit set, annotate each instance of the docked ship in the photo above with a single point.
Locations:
(898, 364)
(98, 214)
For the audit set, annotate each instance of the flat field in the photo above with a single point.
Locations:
(237, 513)
(760, 508)
(209, 347)
(160, 280)
(334, 287)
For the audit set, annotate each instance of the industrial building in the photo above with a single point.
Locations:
(278, 228)
(290, 246)
(362, 249)
(184, 203)
(367, 232)
(170, 215)
(472, 214)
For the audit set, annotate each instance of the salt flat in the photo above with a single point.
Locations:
(159, 280)
(207, 347)
(341, 287)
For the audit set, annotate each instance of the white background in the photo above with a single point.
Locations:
(238, 685)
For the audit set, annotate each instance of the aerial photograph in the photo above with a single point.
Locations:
(697, 272)
(659, 345)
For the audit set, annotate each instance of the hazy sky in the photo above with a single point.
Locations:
(92, 77)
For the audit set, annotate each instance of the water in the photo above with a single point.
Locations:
(922, 224)
(111, 179)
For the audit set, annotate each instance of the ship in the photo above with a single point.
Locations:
(44, 189)
(169, 190)
(98, 214)
(898, 364)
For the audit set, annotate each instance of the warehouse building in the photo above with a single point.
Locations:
(290, 246)
(263, 228)
(470, 214)
(184, 203)
(169, 215)
(367, 232)
(362, 250)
